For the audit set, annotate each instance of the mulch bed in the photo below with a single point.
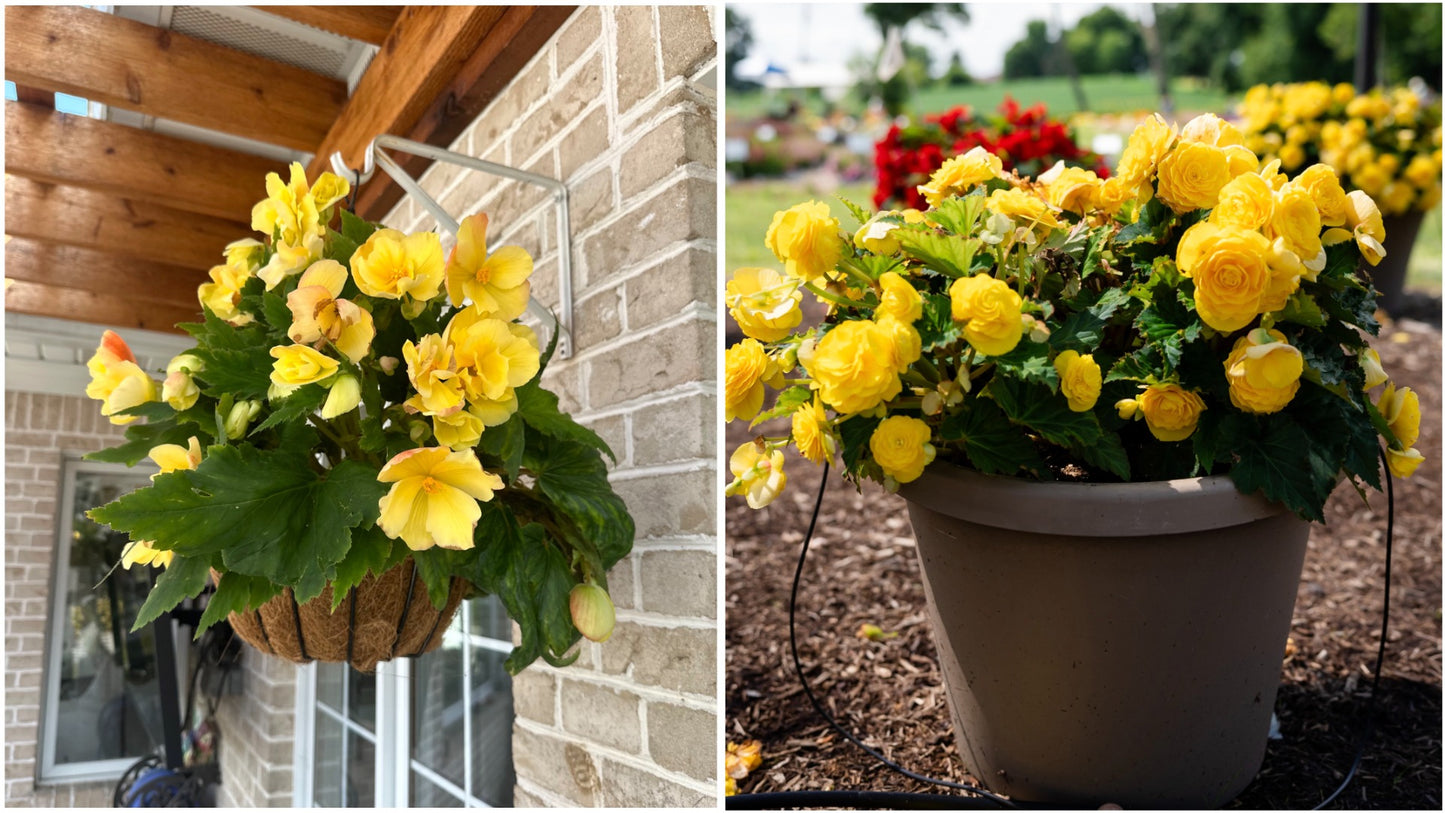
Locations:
(862, 569)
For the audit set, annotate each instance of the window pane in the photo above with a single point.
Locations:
(426, 793)
(492, 777)
(108, 703)
(489, 618)
(361, 698)
(329, 680)
(360, 772)
(327, 776)
(437, 739)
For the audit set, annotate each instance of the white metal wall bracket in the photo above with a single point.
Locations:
(560, 322)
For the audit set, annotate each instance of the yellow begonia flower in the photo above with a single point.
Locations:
(459, 430)
(1401, 410)
(169, 457)
(959, 174)
(1071, 189)
(991, 313)
(854, 366)
(1297, 220)
(742, 759)
(1374, 370)
(1080, 379)
(1171, 412)
(291, 215)
(492, 357)
(1147, 144)
(116, 380)
(877, 236)
(900, 445)
(499, 285)
(1403, 463)
(392, 265)
(764, 303)
(433, 501)
(298, 365)
(345, 394)
(433, 374)
(899, 300)
(1263, 370)
(1020, 205)
(318, 316)
(1231, 273)
(757, 473)
(179, 390)
(805, 239)
(223, 293)
(746, 366)
(1363, 218)
(1324, 187)
(813, 433)
(1246, 202)
(1191, 175)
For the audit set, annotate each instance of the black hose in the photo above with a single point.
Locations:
(862, 799)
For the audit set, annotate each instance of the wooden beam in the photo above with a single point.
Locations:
(419, 58)
(104, 273)
(369, 24)
(509, 45)
(96, 308)
(85, 218)
(134, 66)
(29, 95)
(45, 145)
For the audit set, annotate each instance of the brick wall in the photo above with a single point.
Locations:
(619, 107)
(39, 431)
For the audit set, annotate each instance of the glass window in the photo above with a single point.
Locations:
(451, 710)
(102, 700)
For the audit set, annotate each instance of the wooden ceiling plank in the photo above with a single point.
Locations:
(497, 59)
(134, 66)
(103, 272)
(54, 147)
(369, 24)
(96, 308)
(95, 220)
(421, 56)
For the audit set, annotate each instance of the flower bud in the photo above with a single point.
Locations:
(240, 417)
(388, 364)
(1127, 408)
(344, 396)
(592, 612)
(418, 431)
(179, 389)
(1374, 371)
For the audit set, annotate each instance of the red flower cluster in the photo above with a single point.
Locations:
(1026, 140)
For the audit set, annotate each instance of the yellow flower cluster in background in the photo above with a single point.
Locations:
(1385, 143)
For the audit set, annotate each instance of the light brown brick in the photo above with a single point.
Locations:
(679, 583)
(654, 363)
(681, 659)
(602, 714)
(625, 786)
(613, 431)
(589, 200)
(682, 429)
(686, 33)
(685, 210)
(562, 108)
(534, 695)
(598, 317)
(621, 583)
(543, 760)
(683, 739)
(671, 504)
(674, 142)
(585, 142)
(636, 49)
(582, 30)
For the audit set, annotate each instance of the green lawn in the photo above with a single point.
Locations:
(1104, 94)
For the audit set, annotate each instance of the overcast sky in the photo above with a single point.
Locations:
(789, 33)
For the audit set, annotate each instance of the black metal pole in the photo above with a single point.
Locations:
(170, 690)
(1367, 51)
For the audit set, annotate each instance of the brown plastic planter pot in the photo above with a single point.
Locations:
(1389, 275)
(385, 617)
(1108, 642)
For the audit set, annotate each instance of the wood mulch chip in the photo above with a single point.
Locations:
(862, 569)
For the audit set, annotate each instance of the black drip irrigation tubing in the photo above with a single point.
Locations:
(982, 799)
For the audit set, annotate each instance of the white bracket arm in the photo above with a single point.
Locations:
(560, 322)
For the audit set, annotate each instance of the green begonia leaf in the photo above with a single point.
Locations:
(787, 403)
(184, 578)
(1274, 459)
(854, 434)
(1044, 412)
(506, 442)
(946, 254)
(574, 477)
(141, 438)
(236, 593)
(370, 552)
(992, 443)
(538, 408)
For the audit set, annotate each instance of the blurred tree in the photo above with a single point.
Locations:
(957, 75)
(1204, 39)
(1034, 55)
(738, 38)
(1107, 41)
(1292, 50)
(899, 15)
(895, 92)
(1409, 39)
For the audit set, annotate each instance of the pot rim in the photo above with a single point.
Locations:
(1152, 508)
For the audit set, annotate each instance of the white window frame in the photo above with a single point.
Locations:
(51, 773)
(391, 740)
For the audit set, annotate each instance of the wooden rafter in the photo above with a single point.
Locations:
(366, 23)
(53, 147)
(421, 56)
(497, 58)
(134, 66)
(63, 266)
(86, 218)
(96, 308)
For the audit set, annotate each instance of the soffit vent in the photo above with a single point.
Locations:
(226, 27)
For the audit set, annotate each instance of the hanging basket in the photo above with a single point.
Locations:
(385, 617)
(1108, 642)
